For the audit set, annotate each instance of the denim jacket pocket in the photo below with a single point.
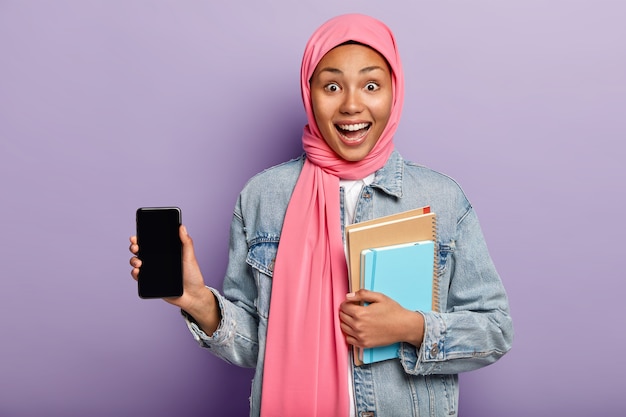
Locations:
(261, 257)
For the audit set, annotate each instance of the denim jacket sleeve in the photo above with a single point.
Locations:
(473, 328)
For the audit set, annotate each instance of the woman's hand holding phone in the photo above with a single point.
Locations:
(197, 300)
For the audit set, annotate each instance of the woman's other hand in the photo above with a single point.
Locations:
(382, 322)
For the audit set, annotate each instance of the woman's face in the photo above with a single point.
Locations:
(351, 95)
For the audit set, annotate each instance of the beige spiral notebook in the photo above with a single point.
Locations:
(409, 226)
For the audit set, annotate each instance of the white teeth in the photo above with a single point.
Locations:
(354, 128)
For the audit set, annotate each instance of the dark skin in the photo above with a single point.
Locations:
(381, 323)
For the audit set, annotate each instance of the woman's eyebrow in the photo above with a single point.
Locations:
(372, 68)
(361, 71)
(331, 70)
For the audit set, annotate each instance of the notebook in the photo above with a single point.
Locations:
(408, 226)
(402, 272)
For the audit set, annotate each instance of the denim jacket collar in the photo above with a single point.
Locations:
(389, 177)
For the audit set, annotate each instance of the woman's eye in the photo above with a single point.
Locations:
(372, 86)
(332, 88)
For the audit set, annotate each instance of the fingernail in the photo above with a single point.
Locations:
(350, 295)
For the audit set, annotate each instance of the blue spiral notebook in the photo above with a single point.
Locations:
(402, 272)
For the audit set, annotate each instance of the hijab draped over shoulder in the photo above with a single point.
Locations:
(307, 357)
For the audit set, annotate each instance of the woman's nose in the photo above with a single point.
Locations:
(352, 103)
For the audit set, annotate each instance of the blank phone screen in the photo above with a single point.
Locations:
(160, 251)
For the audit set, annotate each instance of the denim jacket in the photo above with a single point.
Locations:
(472, 328)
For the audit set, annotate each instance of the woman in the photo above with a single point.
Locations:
(287, 256)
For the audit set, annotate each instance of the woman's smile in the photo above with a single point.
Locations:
(353, 134)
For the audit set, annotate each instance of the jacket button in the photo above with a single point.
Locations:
(434, 350)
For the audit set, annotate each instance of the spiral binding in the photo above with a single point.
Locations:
(435, 265)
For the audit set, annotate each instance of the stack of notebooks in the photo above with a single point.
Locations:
(394, 255)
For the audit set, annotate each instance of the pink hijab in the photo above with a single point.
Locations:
(306, 358)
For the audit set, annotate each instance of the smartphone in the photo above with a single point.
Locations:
(160, 251)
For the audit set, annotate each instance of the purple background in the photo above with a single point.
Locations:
(106, 106)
